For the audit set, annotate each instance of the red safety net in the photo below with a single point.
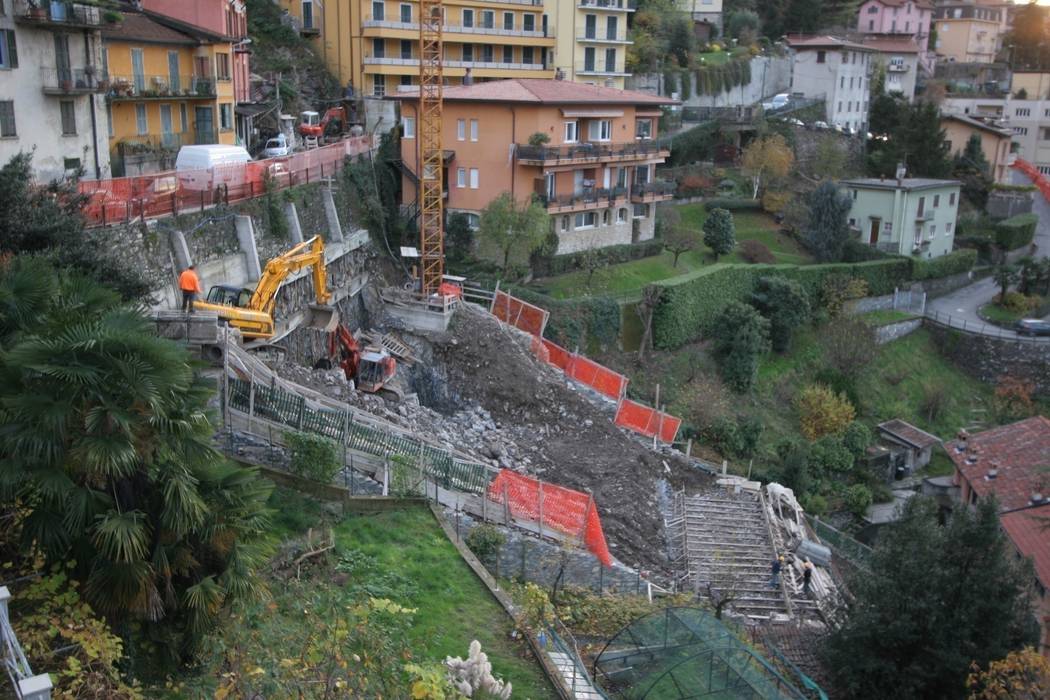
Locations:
(124, 199)
(558, 356)
(1038, 179)
(596, 376)
(529, 318)
(570, 512)
(647, 421)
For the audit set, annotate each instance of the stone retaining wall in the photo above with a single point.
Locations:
(988, 358)
(894, 331)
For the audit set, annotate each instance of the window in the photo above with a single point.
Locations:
(222, 66)
(468, 18)
(600, 130)
(1021, 130)
(936, 201)
(922, 206)
(610, 60)
(611, 27)
(184, 120)
(109, 119)
(528, 23)
(468, 52)
(873, 10)
(590, 27)
(379, 11)
(461, 129)
(473, 129)
(461, 177)
(571, 132)
(641, 211)
(488, 19)
(840, 106)
(621, 216)
(1045, 133)
(487, 52)
(68, 113)
(473, 178)
(564, 223)
(225, 117)
(406, 48)
(405, 80)
(1023, 112)
(871, 23)
(8, 49)
(854, 195)
(842, 82)
(605, 218)
(822, 56)
(71, 165)
(948, 229)
(527, 54)
(408, 127)
(643, 128)
(887, 227)
(508, 21)
(933, 231)
(588, 59)
(406, 13)
(951, 199)
(378, 85)
(141, 121)
(473, 222)
(508, 54)
(586, 219)
(378, 48)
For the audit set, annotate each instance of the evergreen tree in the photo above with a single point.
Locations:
(924, 144)
(785, 304)
(972, 169)
(936, 600)
(1030, 51)
(719, 232)
(827, 230)
(804, 16)
(740, 336)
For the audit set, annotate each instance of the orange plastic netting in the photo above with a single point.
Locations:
(647, 421)
(600, 378)
(557, 355)
(520, 314)
(569, 512)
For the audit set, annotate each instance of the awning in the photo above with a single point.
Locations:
(589, 113)
(648, 113)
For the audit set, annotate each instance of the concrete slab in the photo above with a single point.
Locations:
(246, 240)
(331, 214)
(295, 229)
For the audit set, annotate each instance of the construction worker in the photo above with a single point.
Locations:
(190, 285)
(807, 575)
(778, 564)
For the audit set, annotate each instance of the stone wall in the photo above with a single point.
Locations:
(943, 285)
(894, 331)
(769, 76)
(988, 358)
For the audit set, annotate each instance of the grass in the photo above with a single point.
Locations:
(999, 315)
(885, 317)
(627, 279)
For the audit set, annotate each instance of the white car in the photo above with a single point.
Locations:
(820, 125)
(276, 147)
(778, 102)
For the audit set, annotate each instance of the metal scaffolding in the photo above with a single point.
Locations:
(431, 77)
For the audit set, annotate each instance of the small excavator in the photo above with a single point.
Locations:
(334, 121)
(369, 367)
(251, 310)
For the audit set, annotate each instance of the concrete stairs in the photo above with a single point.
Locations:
(577, 681)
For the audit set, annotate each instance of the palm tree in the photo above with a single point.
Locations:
(106, 445)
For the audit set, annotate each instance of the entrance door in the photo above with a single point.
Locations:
(173, 72)
(551, 186)
(62, 57)
(876, 224)
(138, 70)
(205, 127)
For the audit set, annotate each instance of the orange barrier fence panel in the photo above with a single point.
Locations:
(596, 376)
(529, 318)
(558, 356)
(540, 350)
(570, 512)
(647, 421)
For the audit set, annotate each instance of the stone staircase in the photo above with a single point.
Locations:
(578, 683)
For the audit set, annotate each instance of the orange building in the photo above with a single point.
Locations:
(595, 173)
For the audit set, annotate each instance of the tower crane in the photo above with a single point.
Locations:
(431, 175)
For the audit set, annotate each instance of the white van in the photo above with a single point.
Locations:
(200, 167)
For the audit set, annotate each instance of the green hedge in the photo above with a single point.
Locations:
(1016, 232)
(690, 303)
(560, 264)
(953, 263)
(588, 323)
(733, 204)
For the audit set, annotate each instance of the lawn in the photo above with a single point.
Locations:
(627, 279)
(885, 317)
(1001, 316)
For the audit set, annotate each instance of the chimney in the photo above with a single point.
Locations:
(468, 78)
(1037, 498)
(993, 472)
(901, 173)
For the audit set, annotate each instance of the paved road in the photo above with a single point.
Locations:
(1041, 208)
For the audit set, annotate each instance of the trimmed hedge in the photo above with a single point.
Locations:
(733, 204)
(1016, 232)
(954, 263)
(583, 322)
(690, 303)
(854, 252)
(612, 255)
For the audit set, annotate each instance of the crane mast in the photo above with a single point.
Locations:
(431, 175)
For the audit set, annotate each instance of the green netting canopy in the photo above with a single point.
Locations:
(685, 653)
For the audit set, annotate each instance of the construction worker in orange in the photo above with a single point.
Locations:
(190, 284)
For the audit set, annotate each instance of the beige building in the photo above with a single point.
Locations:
(968, 32)
(995, 142)
(1036, 86)
(591, 38)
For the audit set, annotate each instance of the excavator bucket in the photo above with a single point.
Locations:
(323, 318)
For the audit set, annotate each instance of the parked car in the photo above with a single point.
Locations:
(820, 125)
(778, 102)
(276, 147)
(1032, 326)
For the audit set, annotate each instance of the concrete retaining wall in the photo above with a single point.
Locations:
(894, 331)
(988, 358)
(769, 75)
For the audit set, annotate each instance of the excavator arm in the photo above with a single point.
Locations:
(307, 254)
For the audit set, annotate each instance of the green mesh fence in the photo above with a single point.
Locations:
(857, 553)
(288, 408)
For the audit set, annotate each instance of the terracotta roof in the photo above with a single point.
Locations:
(886, 44)
(542, 91)
(1027, 529)
(138, 27)
(978, 124)
(1021, 454)
(908, 433)
(799, 41)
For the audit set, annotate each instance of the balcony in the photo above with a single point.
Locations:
(160, 87)
(924, 215)
(474, 65)
(58, 14)
(588, 198)
(72, 81)
(495, 30)
(897, 68)
(596, 68)
(590, 153)
(611, 5)
(596, 38)
(655, 191)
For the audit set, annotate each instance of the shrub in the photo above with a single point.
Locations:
(312, 456)
(741, 336)
(1016, 232)
(830, 456)
(856, 438)
(822, 412)
(611, 255)
(1013, 399)
(954, 263)
(576, 322)
(785, 304)
(934, 400)
(733, 204)
(858, 499)
(1019, 303)
(540, 138)
(756, 252)
(733, 438)
(837, 290)
(840, 383)
(775, 202)
(849, 345)
(692, 185)
(719, 232)
(485, 541)
(855, 251)
(814, 504)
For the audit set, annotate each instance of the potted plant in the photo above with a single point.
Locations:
(112, 17)
(36, 10)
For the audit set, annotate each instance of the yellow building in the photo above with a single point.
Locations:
(968, 32)
(167, 87)
(1036, 85)
(591, 40)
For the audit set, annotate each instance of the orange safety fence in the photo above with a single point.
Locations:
(540, 350)
(527, 317)
(1038, 179)
(600, 378)
(569, 512)
(557, 355)
(647, 421)
(125, 199)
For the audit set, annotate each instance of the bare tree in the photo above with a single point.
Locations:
(646, 308)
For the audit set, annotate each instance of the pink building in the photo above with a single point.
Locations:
(223, 18)
(907, 17)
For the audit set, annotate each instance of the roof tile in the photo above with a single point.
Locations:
(543, 91)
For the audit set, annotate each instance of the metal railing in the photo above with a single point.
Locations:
(26, 686)
(592, 195)
(60, 13)
(137, 87)
(72, 80)
(600, 68)
(577, 678)
(494, 30)
(600, 37)
(398, 61)
(590, 151)
(608, 4)
(656, 187)
(980, 328)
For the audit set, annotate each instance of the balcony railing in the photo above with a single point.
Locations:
(72, 81)
(599, 68)
(495, 30)
(897, 67)
(590, 151)
(628, 5)
(63, 14)
(651, 191)
(141, 87)
(924, 215)
(495, 65)
(588, 198)
(602, 38)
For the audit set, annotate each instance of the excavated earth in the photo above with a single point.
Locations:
(479, 389)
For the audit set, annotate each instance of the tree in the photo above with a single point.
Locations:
(1028, 38)
(47, 220)
(822, 412)
(935, 600)
(972, 169)
(827, 230)
(645, 309)
(849, 345)
(785, 304)
(107, 444)
(768, 157)
(460, 237)
(513, 228)
(740, 337)
(1022, 675)
(662, 35)
(923, 141)
(830, 158)
(743, 25)
(858, 499)
(1005, 275)
(719, 232)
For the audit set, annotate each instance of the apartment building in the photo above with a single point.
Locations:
(1028, 120)
(968, 31)
(907, 216)
(836, 70)
(51, 80)
(995, 142)
(591, 40)
(595, 173)
(167, 87)
(899, 57)
(900, 18)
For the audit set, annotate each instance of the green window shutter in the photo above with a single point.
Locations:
(12, 47)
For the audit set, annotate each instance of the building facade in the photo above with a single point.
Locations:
(899, 58)
(708, 12)
(591, 38)
(837, 70)
(595, 173)
(910, 216)
(900, 18)
(1027, 120)
(167, 88)
(995, 143)
(968, 32)
(51, 85)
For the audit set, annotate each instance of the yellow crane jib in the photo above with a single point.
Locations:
(251, 310)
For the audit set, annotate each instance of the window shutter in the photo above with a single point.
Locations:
(12, 47)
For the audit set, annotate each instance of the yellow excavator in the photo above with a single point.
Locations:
(251, 310)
